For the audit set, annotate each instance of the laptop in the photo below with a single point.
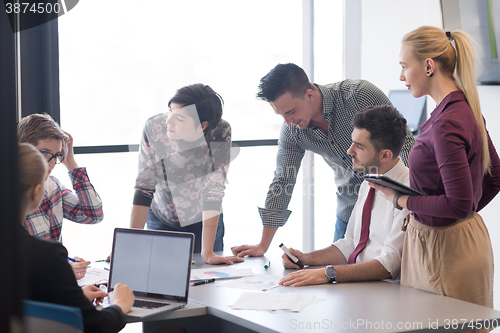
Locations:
(414, 110)
(156, 265)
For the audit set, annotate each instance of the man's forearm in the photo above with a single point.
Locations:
(327, 256)
(267, 237)
(365, 271)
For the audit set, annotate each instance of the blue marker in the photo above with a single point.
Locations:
(73, 260)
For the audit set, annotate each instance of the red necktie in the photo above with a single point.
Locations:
(365, 226)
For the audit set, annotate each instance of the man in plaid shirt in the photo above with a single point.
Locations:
(317, 118)
(82, 206)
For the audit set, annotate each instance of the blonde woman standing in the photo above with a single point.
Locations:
(447, 247)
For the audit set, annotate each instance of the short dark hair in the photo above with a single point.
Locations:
(208, 104)
(387, 127)
(281, 79)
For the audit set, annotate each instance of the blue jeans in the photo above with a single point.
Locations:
(340, 228)
(153, 223)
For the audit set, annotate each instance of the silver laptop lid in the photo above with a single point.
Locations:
(153, 263)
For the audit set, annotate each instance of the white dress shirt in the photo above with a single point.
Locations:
(385, 241)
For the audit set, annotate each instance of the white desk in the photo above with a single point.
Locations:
(358, 306)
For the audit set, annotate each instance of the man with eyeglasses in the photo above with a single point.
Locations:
(81, 206)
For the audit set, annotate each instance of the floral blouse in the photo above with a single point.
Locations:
(180, 179)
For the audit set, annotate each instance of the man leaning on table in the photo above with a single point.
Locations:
(373, 243)
(318, 119)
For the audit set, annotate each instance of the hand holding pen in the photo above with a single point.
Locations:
(79, 266)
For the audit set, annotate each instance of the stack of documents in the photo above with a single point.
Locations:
(274, 301)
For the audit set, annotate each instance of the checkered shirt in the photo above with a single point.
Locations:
(341, 101)
(59, 202)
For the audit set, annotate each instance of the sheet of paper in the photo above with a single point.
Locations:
(255, 282)
(266, 301)
(218, 273)
(275, 302)
(316, 300)
(94, 275)
(302, 302)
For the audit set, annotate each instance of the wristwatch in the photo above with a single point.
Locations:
(331, 273)
(395, 200)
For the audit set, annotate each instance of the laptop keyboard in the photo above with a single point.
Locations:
(148, 304)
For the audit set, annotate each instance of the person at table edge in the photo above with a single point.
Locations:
(378, 135)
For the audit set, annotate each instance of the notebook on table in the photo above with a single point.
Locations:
(156, 265)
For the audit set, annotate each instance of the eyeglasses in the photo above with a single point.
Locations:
(49, 156)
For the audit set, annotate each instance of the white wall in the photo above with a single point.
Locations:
(488, 96)
(384, 22)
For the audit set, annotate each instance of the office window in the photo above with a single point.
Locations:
(328, 42)
(120, 62)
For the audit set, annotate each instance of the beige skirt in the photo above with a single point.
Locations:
(455, 260)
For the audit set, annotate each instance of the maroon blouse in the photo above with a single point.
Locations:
(445, 164)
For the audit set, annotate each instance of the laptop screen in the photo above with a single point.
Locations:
(413, 109)
(152, 263)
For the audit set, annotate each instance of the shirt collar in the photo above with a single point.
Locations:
(396, 170)
(184, 145)
(327, 99)
(327, 104)
(454, 96)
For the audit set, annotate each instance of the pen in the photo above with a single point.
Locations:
(197, 283)
(293, 258)
(73, 260)
(102, 260)
(268, 263)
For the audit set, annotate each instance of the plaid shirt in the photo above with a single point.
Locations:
(341, 101)
(59, 202)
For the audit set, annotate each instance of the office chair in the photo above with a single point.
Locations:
(40, 317)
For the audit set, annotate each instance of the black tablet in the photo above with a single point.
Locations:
(388, 182)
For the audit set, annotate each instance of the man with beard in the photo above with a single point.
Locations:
(373, 243)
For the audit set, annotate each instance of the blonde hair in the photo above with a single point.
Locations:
(36, 127)
(434, 43)
(32, 167)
